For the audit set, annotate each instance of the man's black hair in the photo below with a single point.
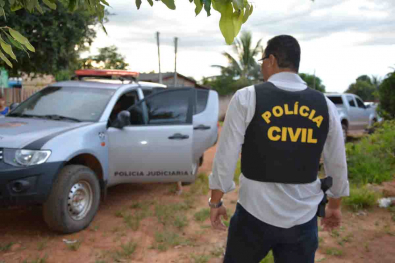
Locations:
(286, 49)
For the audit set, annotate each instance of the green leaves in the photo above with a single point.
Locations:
(199, 6)
(138, 4)
(170, 4)
(7, 48)
(50, 4)
(5, 59)
(15, 39)
(207, 6)
(226, 23)
(21, 39)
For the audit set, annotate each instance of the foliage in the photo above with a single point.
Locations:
(360, 198)
(313, 81)
(202, 215)
(268, 259)
(59, 37)
(108, 58)
(387, 97)
(372, 160)
(245, 66)
(241, 71)
(364, 87)
(234, 13)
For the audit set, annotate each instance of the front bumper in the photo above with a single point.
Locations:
(27, 185)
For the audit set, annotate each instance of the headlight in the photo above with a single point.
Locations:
(23, 157)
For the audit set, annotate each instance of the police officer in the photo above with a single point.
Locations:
(281, 128)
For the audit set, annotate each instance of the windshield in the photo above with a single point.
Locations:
(83, 104)
(337, 100)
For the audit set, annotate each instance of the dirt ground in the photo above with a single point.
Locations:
(365, 236)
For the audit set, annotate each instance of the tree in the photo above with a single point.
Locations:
(241, 71)
(234, 13)
(387, 97)
(245, 66)
(108, 58)
(59, 37)
(313, 81)
(364, 88)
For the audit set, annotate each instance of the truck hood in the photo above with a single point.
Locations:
(21, 132)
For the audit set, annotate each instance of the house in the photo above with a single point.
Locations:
(168, 80)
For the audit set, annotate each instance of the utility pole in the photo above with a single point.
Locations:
(157, 41)
(175, 61)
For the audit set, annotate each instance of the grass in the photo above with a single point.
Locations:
(217, 252)
(200, 258)
(335, 233)
(133, 220)
(74, 246)
(268, 259)
(37, 260)
(167, 214)
(200, 186)
(348, 238)
(167, 239)
(95, 228)
(372, 159)
(120, 213)
(391, 209)
(360, 198)
(42, 244)
(126, 251)
(333, 252)
(6, 247)
(180, 221)
(202, 215)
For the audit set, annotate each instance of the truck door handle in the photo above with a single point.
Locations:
(201, 127)
(178, 136)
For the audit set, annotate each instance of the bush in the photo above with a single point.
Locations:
(387, 97)
(372, 160)
(360, 198)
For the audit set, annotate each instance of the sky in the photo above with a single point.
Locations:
(340, 39)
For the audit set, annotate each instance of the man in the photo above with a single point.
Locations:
(282, 128)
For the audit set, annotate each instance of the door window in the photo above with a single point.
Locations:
(351, 101)
(163, 108)
(124, 102)
(201, 100)
(360, 104)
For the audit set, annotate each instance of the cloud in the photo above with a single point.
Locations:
(359, 33)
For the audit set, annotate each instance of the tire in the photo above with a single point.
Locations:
(62, 214)
(344, 128)
(196, 165)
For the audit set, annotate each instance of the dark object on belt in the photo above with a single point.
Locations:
(326, 183)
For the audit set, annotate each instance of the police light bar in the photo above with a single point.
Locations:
(106, 73)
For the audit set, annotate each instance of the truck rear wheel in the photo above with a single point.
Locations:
(73, 201)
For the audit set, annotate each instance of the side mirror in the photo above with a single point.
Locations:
(123, 119)
(13, 106)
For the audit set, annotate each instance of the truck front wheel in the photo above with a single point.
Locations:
(73, 201)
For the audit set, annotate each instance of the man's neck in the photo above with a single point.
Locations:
(286, 70)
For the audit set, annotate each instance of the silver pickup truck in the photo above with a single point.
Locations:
(354, 114)
(65, 145)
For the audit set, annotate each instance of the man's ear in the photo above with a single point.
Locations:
(273, 60)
